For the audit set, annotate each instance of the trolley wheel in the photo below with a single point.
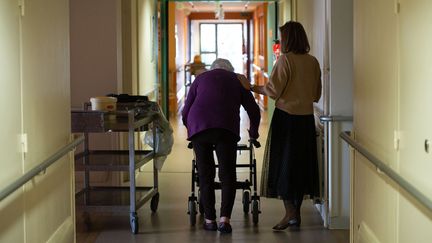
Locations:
(192, 212)
(255, 211)
(134, 223)
(246, 201)
(154, 202)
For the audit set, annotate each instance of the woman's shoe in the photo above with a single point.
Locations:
(210, 226)
(225, 227)
(291, 223)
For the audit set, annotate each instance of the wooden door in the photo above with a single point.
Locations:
(259, 70)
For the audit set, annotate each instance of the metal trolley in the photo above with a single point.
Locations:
(127, 199)
(249, 197)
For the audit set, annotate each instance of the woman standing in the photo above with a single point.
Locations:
(290, 168)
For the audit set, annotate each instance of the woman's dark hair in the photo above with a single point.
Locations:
(294, 38)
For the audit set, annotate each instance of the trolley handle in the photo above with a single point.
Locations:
(255, 142)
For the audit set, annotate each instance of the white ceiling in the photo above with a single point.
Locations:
(210, 6)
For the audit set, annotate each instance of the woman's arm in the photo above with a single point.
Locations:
(248, 86)
(277, 81)
(257, 89)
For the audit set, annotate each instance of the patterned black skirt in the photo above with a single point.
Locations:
(290, 166)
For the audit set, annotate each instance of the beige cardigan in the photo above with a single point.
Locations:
(295, 83)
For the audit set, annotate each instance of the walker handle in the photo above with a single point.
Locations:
(255, 142)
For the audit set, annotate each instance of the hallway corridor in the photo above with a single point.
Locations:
(171, 223)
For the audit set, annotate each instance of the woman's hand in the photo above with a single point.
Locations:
(244, 81)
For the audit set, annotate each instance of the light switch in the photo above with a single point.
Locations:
(396, 140)
(24, 143)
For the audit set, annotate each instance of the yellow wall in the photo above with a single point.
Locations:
(11, 209)
(375, 116)
(285, 11)
(95, 61)
(311, 14)
(415, 119)
(43, 210)
(391, 106)
(96, 66)
(147, 55)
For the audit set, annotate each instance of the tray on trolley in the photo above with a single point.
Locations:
(114, 199)
(110, 160)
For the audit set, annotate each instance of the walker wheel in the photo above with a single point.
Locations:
(255, 211)
(246, 201)
(192, 212)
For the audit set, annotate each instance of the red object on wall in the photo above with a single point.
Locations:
(276, 49)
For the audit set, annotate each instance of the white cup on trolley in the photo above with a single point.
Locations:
(104, 103)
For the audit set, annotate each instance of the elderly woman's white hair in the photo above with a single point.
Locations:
(222, 64)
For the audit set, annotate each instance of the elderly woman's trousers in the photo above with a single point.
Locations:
(224, 143)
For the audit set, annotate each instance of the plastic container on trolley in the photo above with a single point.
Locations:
(103, 103)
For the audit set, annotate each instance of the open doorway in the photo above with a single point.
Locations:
(236, 31)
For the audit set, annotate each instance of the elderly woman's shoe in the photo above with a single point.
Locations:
(212, 226)
(225, 227)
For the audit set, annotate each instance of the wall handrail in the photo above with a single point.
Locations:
(399, 180)
(39, 168)
(335, 118)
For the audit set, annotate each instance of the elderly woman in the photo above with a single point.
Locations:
(212, 117)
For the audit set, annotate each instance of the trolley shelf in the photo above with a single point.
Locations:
(111, 160)
(121, 122)
(113, 199)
